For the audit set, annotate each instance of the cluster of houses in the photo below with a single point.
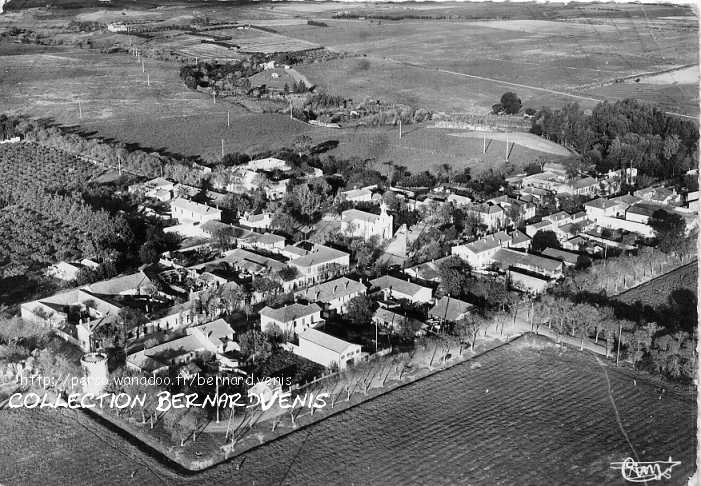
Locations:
(317, 275)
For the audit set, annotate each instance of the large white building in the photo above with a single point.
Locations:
(291, 319)
(359, 224)
(327, 350)
(186, 211)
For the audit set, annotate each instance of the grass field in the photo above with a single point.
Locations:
(542, 55)
(656, 292)
(522, 415)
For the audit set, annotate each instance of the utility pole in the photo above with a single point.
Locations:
(484, 143)
(214, 97)
(148, 79)
(228, 120)
(119, 165)
(143, 67)
(80, 111)
(291, 117)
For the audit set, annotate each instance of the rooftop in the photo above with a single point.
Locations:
(601, 203)
(394, 283)
(319, 255)
(325, 340)
(356, 214)
(193, 207)
(450, 309)
(290, 312)
(562, 255)
(126, 283)
(511, 258)
(482, 245)
(331, 290)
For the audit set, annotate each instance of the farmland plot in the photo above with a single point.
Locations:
(656, 292)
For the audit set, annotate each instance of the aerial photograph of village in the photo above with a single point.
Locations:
(348, 243)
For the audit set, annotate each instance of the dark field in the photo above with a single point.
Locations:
(656, 292)
(525, 416)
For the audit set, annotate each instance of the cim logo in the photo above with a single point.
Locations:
(641, 472)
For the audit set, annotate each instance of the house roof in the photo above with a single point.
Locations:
(487, 208)
(644, 209)
(318, 255)
(250, 261)
(194, 207)
(331, 290)
(518, 237)
(626, 199)
(356, 214)
(482, 245)
(295, 250)
(556, 217)
(290, 312)
(325, 340)
(158, 356)
(541, 224)
(584, 182)
(353, 193)
(215, 330)
(402, 286)
(121, 284)
(511, 258)
(601, 203)
(386, 315)
(264, 239)
(562, 255)
(426, 271)
(450, 309)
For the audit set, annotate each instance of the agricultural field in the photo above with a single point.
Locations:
(546, 62)
(657, 291)
(477, 421)
(39, 228)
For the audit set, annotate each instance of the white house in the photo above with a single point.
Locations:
(479, 253)
(257, 221)
(604, 207)
(396, 288)
(334, 294)
(490, 215)
(356, 223)
(320, 259)
(186, 211)
(327, 350)
(291, 319)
